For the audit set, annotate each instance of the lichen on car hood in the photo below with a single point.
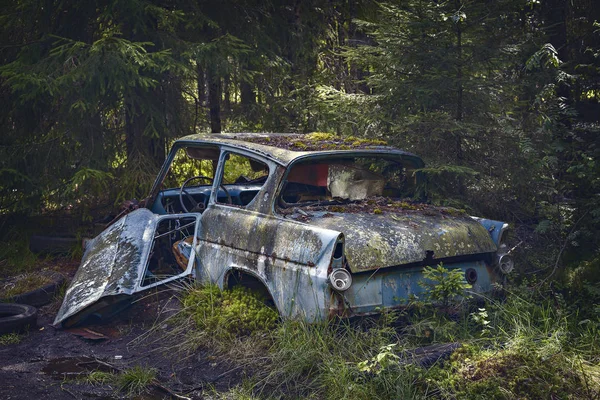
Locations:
(395, 238)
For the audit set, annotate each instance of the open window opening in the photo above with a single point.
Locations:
(171, 249)
(243, 178)
(188, 184)
(342, 180)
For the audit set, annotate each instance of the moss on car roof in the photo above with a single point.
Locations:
(285, 147)
(316, 141)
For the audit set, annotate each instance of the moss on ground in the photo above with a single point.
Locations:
(238, 311)
(475, 373)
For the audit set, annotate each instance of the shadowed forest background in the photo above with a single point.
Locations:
(501, 98)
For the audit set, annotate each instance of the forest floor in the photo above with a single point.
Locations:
(50, 363)
(528, 345)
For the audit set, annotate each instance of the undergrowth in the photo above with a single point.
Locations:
(532, 345)
(136, 380)
(10, 338)
(15, 255)
(217, 318)
(97, 378)
(24, 283)
(133, 382)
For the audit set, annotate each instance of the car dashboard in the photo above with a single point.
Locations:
(168, 200)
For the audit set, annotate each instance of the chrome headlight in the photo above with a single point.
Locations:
(340, 279)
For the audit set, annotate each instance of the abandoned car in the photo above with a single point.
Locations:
(323, 226)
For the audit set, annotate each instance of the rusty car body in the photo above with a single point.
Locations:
(323, 226)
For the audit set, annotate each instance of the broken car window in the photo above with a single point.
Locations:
(171, 249)
(187, 186)
(346, 179)
(243, 177)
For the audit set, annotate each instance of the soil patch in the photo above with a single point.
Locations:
(53, 363)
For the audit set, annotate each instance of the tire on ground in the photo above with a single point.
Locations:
(40, 296)
(16, 317)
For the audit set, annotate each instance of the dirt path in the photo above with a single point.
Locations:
(50, 363)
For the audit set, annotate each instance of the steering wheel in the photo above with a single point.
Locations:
(198, 207)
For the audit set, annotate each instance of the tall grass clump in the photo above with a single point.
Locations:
(15, 255)
(136, 380)
(218, 319)
(338, 359)
(534, 347)
(10, 338)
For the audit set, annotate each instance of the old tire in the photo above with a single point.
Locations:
(53, 244)
(16, 317)
(40, 296)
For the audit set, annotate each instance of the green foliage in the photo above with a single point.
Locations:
(481, 318)
(10, 338)
(24, 283)
(227, 313)
(136, 380)
(382, 361)
(90, 182)
(444, 285)
(547, 56)
(15, 190)
(97, 378)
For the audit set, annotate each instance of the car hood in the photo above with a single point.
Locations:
(381, 240)
(113, 263)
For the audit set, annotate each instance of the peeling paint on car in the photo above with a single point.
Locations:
(291, 253)
(111, 264)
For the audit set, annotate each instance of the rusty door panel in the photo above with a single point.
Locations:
(290, 258)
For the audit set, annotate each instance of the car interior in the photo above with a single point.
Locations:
(347, 179)
(188, 183)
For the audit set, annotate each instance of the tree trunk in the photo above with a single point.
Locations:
(137, 144)
(201, 81)
(214, 101)
(459, 68)
(248, 96)
(227, 94)
(133, 130)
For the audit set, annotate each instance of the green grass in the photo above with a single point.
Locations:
(10, 338)
(228, 320)
(326, 360)
(532, 345)
(15, 256)
(25, 283)
(97, 378)
(136, 380)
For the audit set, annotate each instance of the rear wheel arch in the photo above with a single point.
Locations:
(250, 280)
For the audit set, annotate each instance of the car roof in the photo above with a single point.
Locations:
(285, 148)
